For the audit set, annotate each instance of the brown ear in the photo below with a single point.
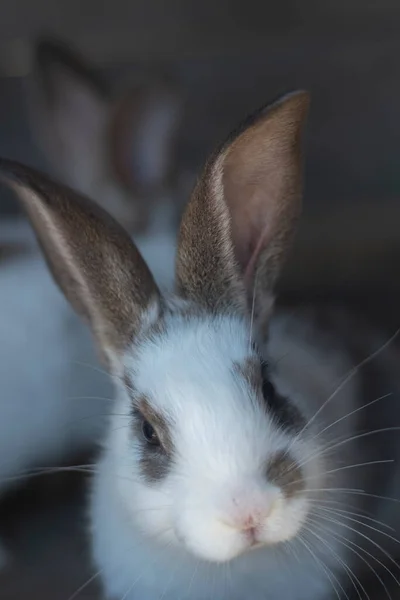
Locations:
(241, 217)
(91, 257)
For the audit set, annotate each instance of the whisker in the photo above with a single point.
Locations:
(348, 440)
(324, 568)
(318, 434)
(353, 412)
(349, 543)
(195, 570)
(347, 378)
(93, 367)
(355, 514)
(54, 470)
(356, 492)
(343, 468)
(90, 398)
(362, 558)
(127, 426)
(370, 540)
(340, 503)
(336, 489)
(253, 304)
(45, 471)
(85, 585)
(348, 570)
(384, 533)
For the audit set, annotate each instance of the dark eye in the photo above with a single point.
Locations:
(149, 434)
(268, 390)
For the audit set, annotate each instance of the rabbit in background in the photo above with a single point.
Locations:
(54, 395)
(112, 142)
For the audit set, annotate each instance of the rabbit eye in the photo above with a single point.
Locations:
(268, 390)
(149, 434)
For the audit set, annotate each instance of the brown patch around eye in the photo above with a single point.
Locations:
(155, 460)
(159, 423)
(284, 412)
(284, 471)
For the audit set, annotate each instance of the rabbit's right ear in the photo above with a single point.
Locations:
(91, 257)
(240, 220)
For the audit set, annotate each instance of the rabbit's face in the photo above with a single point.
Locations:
(210, 457)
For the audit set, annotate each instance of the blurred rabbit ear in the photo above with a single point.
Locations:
(241, 218)
(68, 109)
(143, 134)
(92, 258)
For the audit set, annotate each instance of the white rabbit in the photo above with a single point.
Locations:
(234, 465)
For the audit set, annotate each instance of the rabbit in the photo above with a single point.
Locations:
(238, 459)
(111, 142)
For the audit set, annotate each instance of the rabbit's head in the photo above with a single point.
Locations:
(114, 145)
(204, 446)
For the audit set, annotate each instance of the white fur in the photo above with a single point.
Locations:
(168, 539)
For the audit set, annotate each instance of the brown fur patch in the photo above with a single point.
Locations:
(155, 461)
(283, 471)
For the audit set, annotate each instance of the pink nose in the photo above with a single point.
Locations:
(248, 522)
(249, 511)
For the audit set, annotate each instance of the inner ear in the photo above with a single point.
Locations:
(262, 181)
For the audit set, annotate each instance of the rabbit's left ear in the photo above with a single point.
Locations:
(242, 215)
(92, 258)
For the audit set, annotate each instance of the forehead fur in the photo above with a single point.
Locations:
(187, 347)
(189, 373)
